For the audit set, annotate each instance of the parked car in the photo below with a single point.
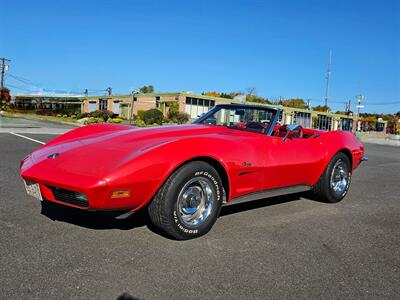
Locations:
(183, 174)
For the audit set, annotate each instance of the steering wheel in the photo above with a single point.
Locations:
(255, 125)
(282, 131)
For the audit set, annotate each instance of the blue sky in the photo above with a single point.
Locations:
(279, 47)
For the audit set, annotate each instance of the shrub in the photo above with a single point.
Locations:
(140, 122)
(152, 116)
(81, 115)
(182, 118)
(115, 120)
(140, 114)
(175, 116)
(104, 114)
(93, 121)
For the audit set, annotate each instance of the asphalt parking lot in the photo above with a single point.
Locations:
(286, 247)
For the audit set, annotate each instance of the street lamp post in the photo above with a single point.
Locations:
(134, 92)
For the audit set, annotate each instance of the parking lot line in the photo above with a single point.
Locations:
(28, 138)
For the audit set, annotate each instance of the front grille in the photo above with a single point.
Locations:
(68, 196)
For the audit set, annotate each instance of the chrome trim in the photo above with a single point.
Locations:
(340, 178)
(364, 158)
(196, 201)
(269, 193)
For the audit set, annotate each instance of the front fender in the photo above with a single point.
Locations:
(145, 174)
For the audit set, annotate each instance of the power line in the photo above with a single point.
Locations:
(383, 103)
(19, 87)
(21, 79)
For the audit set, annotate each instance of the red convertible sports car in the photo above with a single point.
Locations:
(183, 174)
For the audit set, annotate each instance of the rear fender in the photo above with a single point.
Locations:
(336, 141)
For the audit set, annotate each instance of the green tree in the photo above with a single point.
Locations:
(175, 115)
(147, 89)
(371, 121)
(251, 96)
(229, 95)
(322, 108)
(295, 102)
(5, 94)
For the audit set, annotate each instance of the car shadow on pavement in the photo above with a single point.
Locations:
(92, 220)
(101, 221)
(236, 208)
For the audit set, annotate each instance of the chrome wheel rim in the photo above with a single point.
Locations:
(196, 201)
(339, 177)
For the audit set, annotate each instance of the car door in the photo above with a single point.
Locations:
(292, 161)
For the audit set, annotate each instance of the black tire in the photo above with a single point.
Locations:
(165, 210)
(323, 188)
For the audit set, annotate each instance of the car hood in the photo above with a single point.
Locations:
(100, 153)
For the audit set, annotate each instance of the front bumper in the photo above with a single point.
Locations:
(83, 191)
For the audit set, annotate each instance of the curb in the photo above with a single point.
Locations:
(34, 118)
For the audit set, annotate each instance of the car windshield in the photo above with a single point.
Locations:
(255, 119)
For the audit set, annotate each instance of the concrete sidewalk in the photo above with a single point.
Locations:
(22, 125)
(380, 141)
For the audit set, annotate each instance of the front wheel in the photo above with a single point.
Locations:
(335, 181)
(189, 202)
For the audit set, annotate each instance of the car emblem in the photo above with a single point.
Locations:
(53, 155)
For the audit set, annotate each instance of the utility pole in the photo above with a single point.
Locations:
(3, 69)
(359, 106)
(349, 107)
(328, 77)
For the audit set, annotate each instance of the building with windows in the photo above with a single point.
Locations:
(194, 105)
(40, 102)
(129, 105)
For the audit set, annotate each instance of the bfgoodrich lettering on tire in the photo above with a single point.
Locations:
(335, 181)
(188, 203)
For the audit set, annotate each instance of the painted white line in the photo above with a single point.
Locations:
(28, 138)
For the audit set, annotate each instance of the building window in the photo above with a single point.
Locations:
(116, 107)
(347, 124)
(324, 122)
(158, 102)
(302, 118)
(195, 107)
(103, 104)
(92, 106)
(380, 126)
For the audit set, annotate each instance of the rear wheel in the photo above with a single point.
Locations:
(189, 202)
(335, 181)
